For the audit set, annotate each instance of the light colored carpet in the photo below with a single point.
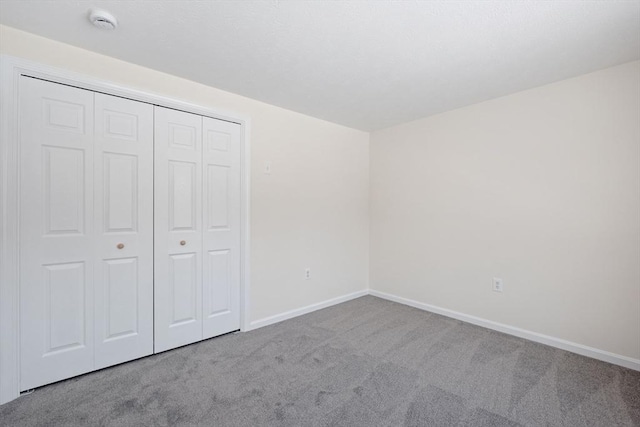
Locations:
(367, 362)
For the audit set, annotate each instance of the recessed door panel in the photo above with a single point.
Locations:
(122, 285)
(120, 124)
(183, 135)
(56, 232)
(64, 115)
(183, 198)
(124, 229)
(120, 192)
(63, 190)
(217, 299)
(64, 286)
(218, 196)
(178, 228)
(183, 281)
(218, 140)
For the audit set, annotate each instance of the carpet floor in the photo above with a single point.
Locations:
(366, 362)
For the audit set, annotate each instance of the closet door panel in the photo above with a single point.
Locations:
(221, 273)
(183, 284)
(56, 232)
(178, 228)
(124, 229)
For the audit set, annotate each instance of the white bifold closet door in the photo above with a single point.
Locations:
(86, 239)
(124, 230)
(197, 228)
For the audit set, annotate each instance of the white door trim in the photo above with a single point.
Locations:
(11, 68)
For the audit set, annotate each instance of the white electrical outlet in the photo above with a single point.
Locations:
(307, 274)
(497, 284)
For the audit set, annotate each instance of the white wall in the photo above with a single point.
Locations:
(312, 211)
(540, 188)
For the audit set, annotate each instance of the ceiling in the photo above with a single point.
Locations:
(363, 64)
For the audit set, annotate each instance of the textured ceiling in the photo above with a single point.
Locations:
(364, 64)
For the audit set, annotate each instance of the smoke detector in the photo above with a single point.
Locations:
(103, 19)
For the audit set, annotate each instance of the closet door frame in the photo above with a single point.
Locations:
(11, 70)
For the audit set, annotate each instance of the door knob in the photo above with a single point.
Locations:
(120, 246)
(183, 242)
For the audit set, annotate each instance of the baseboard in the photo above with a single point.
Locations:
(583, 350)
(304, 310)
(605, 356)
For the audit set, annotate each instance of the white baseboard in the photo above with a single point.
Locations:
(583, 350)
(304, 310)
(616, 359)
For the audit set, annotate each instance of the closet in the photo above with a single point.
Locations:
(129, 230)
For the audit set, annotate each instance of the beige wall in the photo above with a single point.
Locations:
(540, 188)
(312, 211)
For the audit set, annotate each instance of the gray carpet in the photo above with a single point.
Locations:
(367, 362)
